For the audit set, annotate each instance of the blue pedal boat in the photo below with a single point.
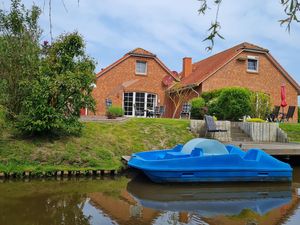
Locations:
(206, 160)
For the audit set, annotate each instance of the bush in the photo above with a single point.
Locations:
(114, 112)
(197, 111)
(260, 105)
(256, 120)
(211, 95)
(232, 104)
(2, 119)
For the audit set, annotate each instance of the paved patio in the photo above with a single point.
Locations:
(103, 119)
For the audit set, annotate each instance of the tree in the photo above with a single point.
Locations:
(62, 88)
(260, 105)
(19, 53)
(291, 9)
(43, 87)
(178, 95)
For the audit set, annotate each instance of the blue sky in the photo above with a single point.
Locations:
(171, 29)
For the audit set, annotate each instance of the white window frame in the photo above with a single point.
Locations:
(257, 64)
(146, 67)
(145, 104)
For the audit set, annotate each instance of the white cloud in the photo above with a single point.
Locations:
(172, 29)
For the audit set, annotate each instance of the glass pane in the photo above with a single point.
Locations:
(141, 67)
(151, 101)
(252, 64)
(128, 104)
(140, 104)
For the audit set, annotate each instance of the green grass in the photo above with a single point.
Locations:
(292, 130)
(100, 146)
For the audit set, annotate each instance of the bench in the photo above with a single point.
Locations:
(211, 126)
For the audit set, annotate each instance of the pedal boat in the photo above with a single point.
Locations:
(206, 160)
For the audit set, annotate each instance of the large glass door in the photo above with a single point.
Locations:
(137, 103)
(128, 104)
(139, 106)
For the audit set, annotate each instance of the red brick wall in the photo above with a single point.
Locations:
(268, 79)
(109, 85)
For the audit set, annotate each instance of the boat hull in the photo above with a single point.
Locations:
(219, 176)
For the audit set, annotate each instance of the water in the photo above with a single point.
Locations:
(128, 200)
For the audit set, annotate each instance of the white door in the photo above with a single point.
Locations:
(137, 103)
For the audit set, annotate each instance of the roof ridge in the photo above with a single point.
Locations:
(140, 51)
(228, 49)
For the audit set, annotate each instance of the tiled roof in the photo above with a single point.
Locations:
(204, 68)
(139, 52)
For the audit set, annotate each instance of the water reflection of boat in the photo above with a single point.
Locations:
(210, 199)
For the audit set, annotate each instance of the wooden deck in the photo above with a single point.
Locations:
(126, 158)
(272, 148)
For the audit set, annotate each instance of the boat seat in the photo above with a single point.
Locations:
(252, 154)
(195, 153)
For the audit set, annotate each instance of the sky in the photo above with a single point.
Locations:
(171, 29)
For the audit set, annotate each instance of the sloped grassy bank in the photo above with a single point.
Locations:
(100, 146)
(293, 131)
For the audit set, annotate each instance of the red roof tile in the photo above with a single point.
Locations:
(203, 69)
(139, 52)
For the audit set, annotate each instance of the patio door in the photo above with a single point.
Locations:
(136, 103)
(139, 105)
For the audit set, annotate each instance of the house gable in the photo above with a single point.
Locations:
(121, 77)
(138, 52)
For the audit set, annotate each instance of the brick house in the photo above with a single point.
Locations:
(134, 82)
(244, 65)
(139, 80)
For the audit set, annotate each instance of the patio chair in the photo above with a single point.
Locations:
(149, 113)
(186, 110)
(289, 114)
(211, 126)
(272, 117)
(159, 111)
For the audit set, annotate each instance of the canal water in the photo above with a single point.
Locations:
(134, 200)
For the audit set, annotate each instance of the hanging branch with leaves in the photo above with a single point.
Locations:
(291, 9)
(214, 30)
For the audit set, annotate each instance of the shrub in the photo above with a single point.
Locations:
(2, 119)
(197, 111)
(260, 105)
(232, 104)
(210, 95)
(114, 112)
(256, 120)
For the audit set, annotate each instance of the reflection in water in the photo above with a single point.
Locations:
(210, 200)
(138, 202)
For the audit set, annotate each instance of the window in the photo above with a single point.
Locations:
(137, 103)
(108, 102)
(252, 65)
(141, 67)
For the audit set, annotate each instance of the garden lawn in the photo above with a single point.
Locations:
(100, 146)
(292, 130)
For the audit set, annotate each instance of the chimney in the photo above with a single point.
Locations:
(186, 66)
